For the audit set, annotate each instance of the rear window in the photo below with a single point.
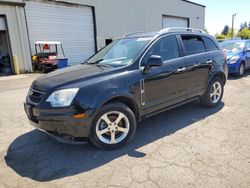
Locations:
(193, 45)
(209, 44)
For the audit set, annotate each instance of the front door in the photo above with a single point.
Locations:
(165, 85)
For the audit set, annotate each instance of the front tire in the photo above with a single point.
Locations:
(113, 126)
(214, 93)
(44, 68)
(241, 70)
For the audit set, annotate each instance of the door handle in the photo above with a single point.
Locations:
(181, 69)
(209, 61)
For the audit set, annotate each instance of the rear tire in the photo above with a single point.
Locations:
(34, 66)
(113, 126)
(241, 70)
(214, 93)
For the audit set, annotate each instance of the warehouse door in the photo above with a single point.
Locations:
(71, 25)
(5, 55)
(171, 21)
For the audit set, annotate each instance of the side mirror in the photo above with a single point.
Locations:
(153, 61)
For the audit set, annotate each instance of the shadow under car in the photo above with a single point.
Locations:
(39, 157)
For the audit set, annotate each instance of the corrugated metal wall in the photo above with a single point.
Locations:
(118, 17)
(114, 18)
(18, 35)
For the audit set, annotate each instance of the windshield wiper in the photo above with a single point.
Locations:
(103, 65)
(96, 62)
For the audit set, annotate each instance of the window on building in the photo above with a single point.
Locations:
(108, 41)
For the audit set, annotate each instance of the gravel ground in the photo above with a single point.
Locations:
(190, 146)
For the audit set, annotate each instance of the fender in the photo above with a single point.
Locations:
(219, 73)
(113, 93)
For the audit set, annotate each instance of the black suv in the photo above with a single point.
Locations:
(133, 78)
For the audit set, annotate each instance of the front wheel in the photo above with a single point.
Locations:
(214, 93)
(44, 68)
(113, 126)
(241, 70)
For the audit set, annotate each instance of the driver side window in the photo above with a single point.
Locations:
(166, 47)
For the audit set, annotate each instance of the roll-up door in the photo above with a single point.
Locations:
(171, 21)
(71, 25)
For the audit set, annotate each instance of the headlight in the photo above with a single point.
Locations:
(62, 98)
(233, 59)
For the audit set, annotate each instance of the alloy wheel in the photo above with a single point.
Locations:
(242, 69)
(216, 92)
(112, 127)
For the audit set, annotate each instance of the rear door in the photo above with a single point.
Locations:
(199, 59)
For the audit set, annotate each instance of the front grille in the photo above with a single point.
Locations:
(35, 96)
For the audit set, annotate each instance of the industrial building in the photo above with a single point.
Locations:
(84, 26)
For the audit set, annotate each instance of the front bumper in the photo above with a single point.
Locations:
(233, 68)
(59, 122)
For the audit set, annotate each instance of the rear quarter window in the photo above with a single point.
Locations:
(193, 44)
(209, 44)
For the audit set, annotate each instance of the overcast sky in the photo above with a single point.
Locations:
(219, 13)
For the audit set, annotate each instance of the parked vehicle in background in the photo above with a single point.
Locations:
(238, 55)
(49, 56)
(129, 80)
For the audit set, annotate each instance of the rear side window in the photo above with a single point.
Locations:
(209, 44)
(193, 44)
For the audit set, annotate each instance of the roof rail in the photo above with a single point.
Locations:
(129, 34)
(169, 29)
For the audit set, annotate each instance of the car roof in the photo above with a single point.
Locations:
(179, 30)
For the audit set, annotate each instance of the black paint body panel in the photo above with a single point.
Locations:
(154, 91)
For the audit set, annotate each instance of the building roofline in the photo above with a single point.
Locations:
(187, 1)
(13, 3)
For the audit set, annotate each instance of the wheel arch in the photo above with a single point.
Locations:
(127, 101)
(220, 75)
(243, 62)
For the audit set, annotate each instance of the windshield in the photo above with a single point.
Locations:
(120, 53)
(233, 46)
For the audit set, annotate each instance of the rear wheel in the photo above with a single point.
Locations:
(241, 70)
(34, 66)
(113, 126)
(214, 93)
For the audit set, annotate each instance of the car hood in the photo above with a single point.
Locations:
(70, 75)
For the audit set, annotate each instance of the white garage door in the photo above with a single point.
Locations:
(71, 25)
(171, 21)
